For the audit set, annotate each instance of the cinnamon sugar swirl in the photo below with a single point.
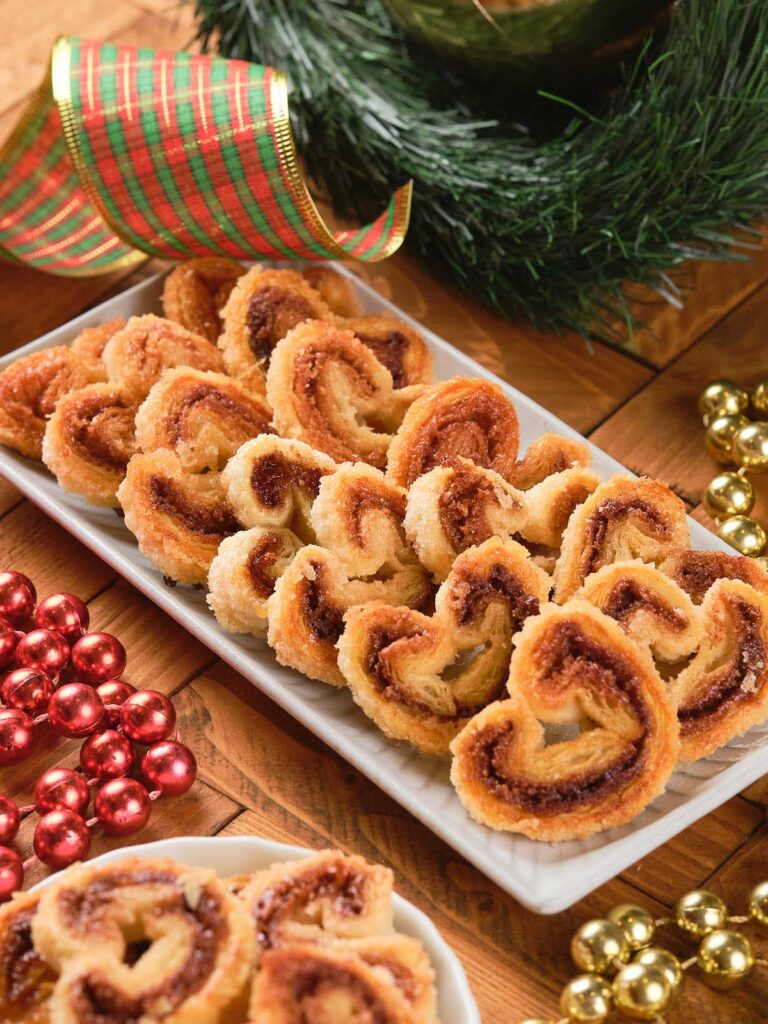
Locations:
(696, 571)
(26, 979)
(397, 345)
(404, 961)
(88, 347)
(336, 291)
(196, 291)
(551, 502)
(547, 455)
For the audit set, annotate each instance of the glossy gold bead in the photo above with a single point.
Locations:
(636, 923)
(597, 945)
(641, 992)
(750, 447)
(726, 958)
(586, 999)
(700, 912)
(723, 396)
(729, 494)
(744, 534)
(759, 398)
(758, 904)
(721, 431)
(655, 956)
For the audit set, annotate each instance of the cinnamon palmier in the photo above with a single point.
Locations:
(572, 666)
(406, 669)
(137, 355)
(336, 291)
(194, 942)
(406, 964)
(696, 571)
(550, 503)
(463, 417)
(549, 454)
(650, 607)
(88, 347)
(178, 518)
(397, 345)
(26, 979)
(203, 417)
(243, 574)
(196, 291)
(624, 518)
(263, 307)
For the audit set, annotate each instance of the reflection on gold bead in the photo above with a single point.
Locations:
(666, 962)
(723, 396)
(728, 494)
(744, 534)
(636, 923)
(750, 447)
(758, 904)
(760, 398)
(597, 945)
(725, 958)
(641, 992)
(720, 434)
(586, 999)
(700, 912)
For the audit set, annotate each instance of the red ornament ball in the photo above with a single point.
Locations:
(9, 638)
(115, 691)
(11, 873)
(17, 597)
(27, 689)
(44, 650)
(97, 657)
(18, 736)
(65, 613)
(9, 819)
(122, 807)
(169, 767)
(61, 838)
(61, 787)
(148, 716)
(107, 755)
(75, 709)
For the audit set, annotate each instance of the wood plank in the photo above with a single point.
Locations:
(9, 496)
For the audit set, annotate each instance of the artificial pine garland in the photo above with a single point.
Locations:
(539, 215)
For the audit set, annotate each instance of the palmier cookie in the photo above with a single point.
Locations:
(336, 291)
(546, 455)
(196, 291)
(397, 345)
(404, 668)
(201, 943)
(263, 307)
(696, 571)
(463, 417)
(137, 355)
(404, 961)
(89, 440)
(26, 979)
(623, 519)
(203, 416)
(550, 504)
(88, 347)
(572, 665)
(178, 518)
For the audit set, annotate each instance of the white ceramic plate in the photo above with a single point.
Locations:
(239, 855)
(545, 877)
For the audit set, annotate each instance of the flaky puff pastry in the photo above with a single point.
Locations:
(572, 666)
(465, 417)
(406, 963)
(26, 978)
(696, 571)
(336, 291)
(550, 503)
(623, 519)
(88, 347)
(397, 345)
(201, 943)
(178, 518)
(196, 291)
(406, 669)
(137, 354)
(203, 416)
(546, 455)
(89, 440)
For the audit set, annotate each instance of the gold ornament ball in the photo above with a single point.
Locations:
(662, 960)
(586, 999)
(597, 945)
(641, 992)
(750, 447)
(636, 923)
(700, 912)
(760, 398)
(729, 494)
(758, 904)
(722, 396)
(726, 958)
(721, 431)
(744, 534)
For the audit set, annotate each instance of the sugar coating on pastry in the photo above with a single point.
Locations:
(178, 518)
(243, 573)
(403, 961)
(463, 417)
(336, 291)
(263, 307)
(137, 355)
(203, 416)
(90, 439)
(546, 455)
(397, 345)
(26, 979)
(88, 347)
(551, 502)
(575, 667)
(196, 291)
(696, 571)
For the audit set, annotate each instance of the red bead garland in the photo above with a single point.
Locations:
(107, 755)
(65, 613)
(97, 657)
(61, 787)
(61, 837)
(123, 806)
(17, 597)
(44, 650)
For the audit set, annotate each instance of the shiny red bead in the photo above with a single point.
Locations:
(75, 709)
(61, 837)
(169, 767)
(65, 613)
(97, 657)
(27, 689)
(148, 716)
(44, 650)
(122, 807)
(107, 755)
(9, 638)
(9, 819)
(18, 736)
(61, 787)
(11, 873)
(114, 691)
(17, 597)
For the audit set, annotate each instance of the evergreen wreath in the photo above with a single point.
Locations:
(546, 212)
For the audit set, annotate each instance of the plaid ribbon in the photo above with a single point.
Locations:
(126, 152)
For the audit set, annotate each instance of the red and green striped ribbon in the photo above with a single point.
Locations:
(126, 152)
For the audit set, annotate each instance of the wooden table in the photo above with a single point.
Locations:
(261, 772)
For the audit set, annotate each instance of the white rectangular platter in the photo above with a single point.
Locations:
(547, 878)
